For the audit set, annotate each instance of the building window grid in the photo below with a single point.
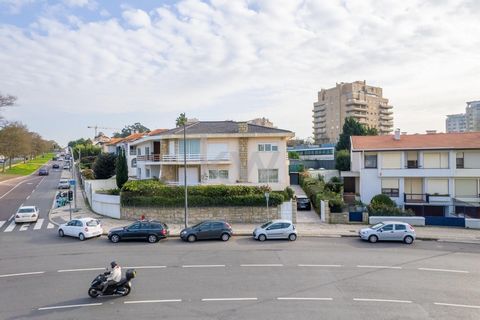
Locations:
(267, 147)
(370, 161)
(215, 174)
(267, 175)
(391, 192)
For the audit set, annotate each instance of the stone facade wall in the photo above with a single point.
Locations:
(243, 153)
(195, 215)
(169, 173)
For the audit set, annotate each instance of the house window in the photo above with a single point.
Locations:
(147, 173)
(139, 151)
(217, 174)
(412, 159)
(147, 151)
(134, 163)
(390, 187)
(435, 160)
(268, 147)
(460, 160)
(139, 173)
(267, 175)
(133, 151)
(370, 161)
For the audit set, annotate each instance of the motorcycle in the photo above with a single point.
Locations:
(121, 288)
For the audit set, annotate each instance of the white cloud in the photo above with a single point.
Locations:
(90, 4)
(237, 60)
(15, 6)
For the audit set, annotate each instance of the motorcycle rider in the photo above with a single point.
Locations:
(114, 277)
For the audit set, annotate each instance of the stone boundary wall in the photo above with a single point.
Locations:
(197, 214)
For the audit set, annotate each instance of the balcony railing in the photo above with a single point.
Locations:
(416, 197)
(191, 157)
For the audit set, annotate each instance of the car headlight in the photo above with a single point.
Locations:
(183, 232)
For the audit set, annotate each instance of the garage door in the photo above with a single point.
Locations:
(192, 176)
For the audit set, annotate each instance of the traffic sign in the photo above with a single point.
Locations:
(72, 182)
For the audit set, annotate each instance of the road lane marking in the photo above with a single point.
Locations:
(10, 227)
(261, 265)
(71, 306)
(146, 267)
(20, 274)
(381, 300)
(379, 267)
(305, 299)
(204, 266)
(50, 226)
(321, 265)
(229, 299)
(78, 270)
(38, 225)
(5, 194)
(29, 182)
(456, 305)
(2, 223)
(443, 270)
(28, 197)
(24, 226)
(11, 217)
(152, 301)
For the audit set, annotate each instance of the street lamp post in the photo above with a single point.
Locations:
(267, 196)
(185, 170)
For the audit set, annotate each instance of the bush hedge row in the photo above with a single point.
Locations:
(316, 190)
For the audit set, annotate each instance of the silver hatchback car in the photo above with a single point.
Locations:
(276, 229)
(389, 231)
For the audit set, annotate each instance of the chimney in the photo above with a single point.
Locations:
(242, 127)
(431, 131)
(397, 134)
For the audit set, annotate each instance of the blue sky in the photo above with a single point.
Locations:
(75, 63)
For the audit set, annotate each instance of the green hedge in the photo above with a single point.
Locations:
(316, 191)
(153, 192)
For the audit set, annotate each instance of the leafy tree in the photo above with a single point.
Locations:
(352, 127)
(342, 160)
(6, 101)
(128, 130)
(14, 141)
(104, 166)
(121, 169)
(181, 120)
(293, 155)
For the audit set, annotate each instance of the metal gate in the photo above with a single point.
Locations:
(445, 221)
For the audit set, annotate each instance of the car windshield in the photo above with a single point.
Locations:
(377, 226)
(198, 225)
(302, 199)
(26, 210)
(92, 223)
(266, 224)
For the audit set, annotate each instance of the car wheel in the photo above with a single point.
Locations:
(191, 238)
(292, 237)
(115, 238)
(373, 239)
(408, 239)
(152, 238)
(81, 236)
(262, 237)
(225, 237)
(60, 233)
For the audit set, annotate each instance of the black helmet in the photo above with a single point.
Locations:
(113, 264)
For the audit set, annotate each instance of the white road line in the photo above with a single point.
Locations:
(10, 227)
(379, 267)
(24, 226)
(456, 305)
(20, 274)
(71, 306)
(50, 226)
(204, 266)
(78, 270)
(11, 217)
(261, 265)
(145, 267)
(381, 300)
(321, 265)
(5, 194)
(443, 270)
(229, 299)
(153, 301)
(305, 299)
(2, 223)
(38, 225)
(28, 197)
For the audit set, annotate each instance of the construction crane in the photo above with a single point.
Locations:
(105, 128)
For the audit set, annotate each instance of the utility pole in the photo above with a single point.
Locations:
(185, 170)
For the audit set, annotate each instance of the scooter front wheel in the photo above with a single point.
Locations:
(126, 291)
(92, 292)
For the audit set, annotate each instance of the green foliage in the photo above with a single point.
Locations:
(154, 192)
(121, 169)
(288, 193)
(382, 200)
(317, 191)
(87, 162)
(128, 130)
(352, 127)
(88, 174)
(342, 160)
(334, 185)
(382, 205)
(181, 120)
(86, 150)
(293, 155)
(104, 166)
(29, 166)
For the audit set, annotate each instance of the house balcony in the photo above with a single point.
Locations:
(386, 117)
(355, 101)
(385, 107)
(191, 158)
(385, 112)
(357, 115)
(426, 198)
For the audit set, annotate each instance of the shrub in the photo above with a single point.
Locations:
(288, 193)
(88, 174)
(382, 210)
(342, 160)
(104, 166)
(382, 200)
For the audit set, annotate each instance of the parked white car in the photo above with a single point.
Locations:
(81, 228)
(276, 229)
(27, 214)
(389, 231)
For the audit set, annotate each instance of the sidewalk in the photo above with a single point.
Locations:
(62, 215)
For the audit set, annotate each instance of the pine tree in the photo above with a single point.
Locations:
(121, 169)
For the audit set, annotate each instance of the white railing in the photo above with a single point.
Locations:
(196, 157)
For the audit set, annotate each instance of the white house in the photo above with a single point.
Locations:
(217, 152)
(436, 174)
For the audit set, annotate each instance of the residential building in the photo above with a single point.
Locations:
(261, 122)
(363, 102)
(434, 174)
(217, 152)
(117, 144)
(314, 152)
(465, 122)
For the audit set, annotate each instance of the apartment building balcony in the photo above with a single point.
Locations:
(356, 101)
(426, 198)
(385, 106)
(386, 112)
(357, 115)
(319, 108)
(386, 117)
(352, 108)
(191, 158)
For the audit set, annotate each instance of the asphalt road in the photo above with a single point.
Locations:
(312, 278)
(30, 190)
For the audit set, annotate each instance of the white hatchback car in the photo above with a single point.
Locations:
(81, 228)
(27, 214)
(276, 229)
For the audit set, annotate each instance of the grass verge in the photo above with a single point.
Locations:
(24, 169)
